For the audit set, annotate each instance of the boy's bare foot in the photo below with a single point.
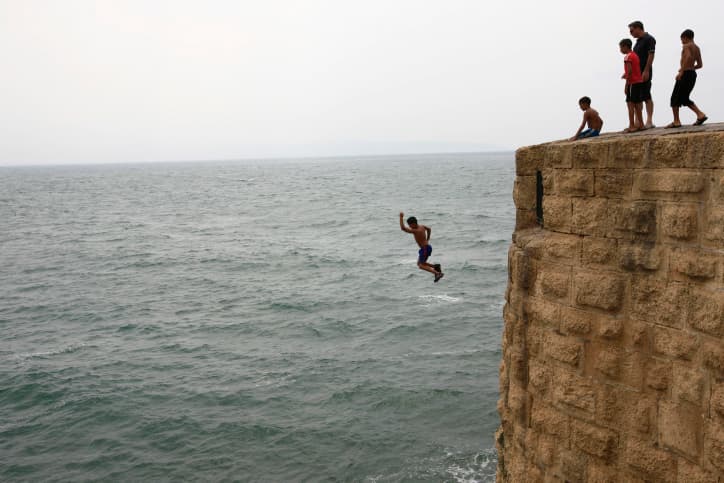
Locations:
(650, 126)
(439, 276)
(672, 125)
(437, 267)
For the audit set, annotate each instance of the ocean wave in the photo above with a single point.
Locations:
(63, 350)
(439, 299)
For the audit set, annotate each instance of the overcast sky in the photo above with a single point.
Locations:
(150, 80)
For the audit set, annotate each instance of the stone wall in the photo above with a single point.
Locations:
(613, 347)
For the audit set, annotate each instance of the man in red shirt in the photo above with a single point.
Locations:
(634, 86)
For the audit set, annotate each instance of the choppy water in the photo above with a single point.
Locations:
(254, 321)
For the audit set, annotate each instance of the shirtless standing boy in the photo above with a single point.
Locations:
(590, 117)
(422, 237)
(685, 80)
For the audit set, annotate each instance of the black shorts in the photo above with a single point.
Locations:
(682, 89)
(634, 93)
(646, 90)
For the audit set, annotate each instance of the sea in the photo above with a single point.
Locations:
(255, 320)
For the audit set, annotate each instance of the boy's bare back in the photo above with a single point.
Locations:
(591, 117)
(690, 57)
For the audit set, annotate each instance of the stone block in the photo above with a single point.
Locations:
(636, 219)
(575, 321)
(695, 264)
(610, 328)
(554, 246)
(572, 466)
(627, 410)
(680, 427)
(558, 156)
(602, 473)
(600, 251)
(714, 445)
(574, 392)
(659, 302)
(635, 256)
(655, 464)
(707, 150)
(673, 181)
(658, 374)
(589, 155)
(542, 313)
(524, 192)
(691, 473)
(520, 268)
(680, 221)
(688, 384)
(590, 216)
(714, 227)
(636, 334)
(563, 349)
(553, 283)
(630, 154)
(525, 219)
(674, 343)
(669, 152)
(529, 159)
(717, 399)
(594, 440)
(549, 421)
(706, 312)
(574, 182)
(613, 183)
(538, 376)
(557, 212)
(600, 290)
(712, 357)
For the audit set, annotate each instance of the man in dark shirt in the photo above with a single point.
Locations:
(645, 48)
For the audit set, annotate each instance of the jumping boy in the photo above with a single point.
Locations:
(634, 86)
(590, 117)
(685, 80)
(422, 237)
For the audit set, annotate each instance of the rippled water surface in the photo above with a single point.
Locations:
(254, 321)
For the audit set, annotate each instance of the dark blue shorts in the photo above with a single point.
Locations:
(424, 253)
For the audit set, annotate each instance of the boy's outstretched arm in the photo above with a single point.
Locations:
(580, 128)
(402, 224)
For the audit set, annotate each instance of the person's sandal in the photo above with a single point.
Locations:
(701, 121)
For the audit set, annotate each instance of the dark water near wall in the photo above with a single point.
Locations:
(259, 321)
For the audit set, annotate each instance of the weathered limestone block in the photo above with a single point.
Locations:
(707, 150)
(594, 440)
(589, 155)
(574, 182)
(659, 302)
(613, 183)
(654, 464)
(600, 251)
(695, 264)
(574, 392)
(680, 427)
(717, 400)
(549, 421)
(563, 349)
(680, 221)
(558, 156)
(639, 256)
(524, 192)
(658, 374)
(543, 313)
(529, 159)
(525, 219)
(571, 466)
(519, 268)
(669, 152)
(674, 343)
(626, 409)
(610, 328)
(557, 212)
(539, 377)
(601, 290)
(714, 227)
(553, 283)
(575, 321)
(690, 473)
(712, 356)
(590, 216)
(688, 384)
(558, 247)
(714, 445)
(631, 154)
(636, 219)
(669, 181)
(706, 312)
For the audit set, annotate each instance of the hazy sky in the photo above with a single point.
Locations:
(151, 80)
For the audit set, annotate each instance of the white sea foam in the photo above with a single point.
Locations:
(64, 350)
(437, 299)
